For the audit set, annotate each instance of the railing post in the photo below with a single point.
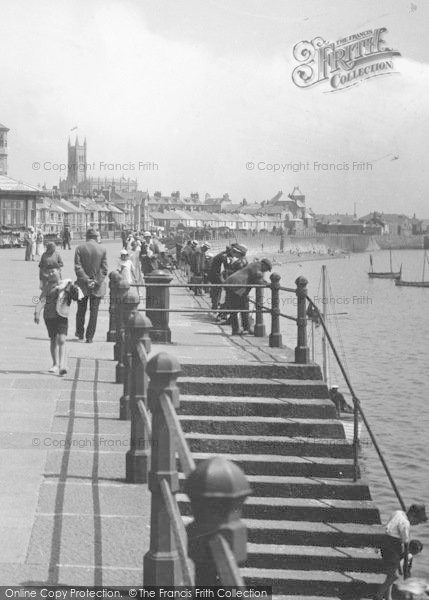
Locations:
(137, 457)
(114, 279)
(121, 288)
(122, 314)
(158, 297)
(356, 471)
(161, 562)
(302, 351)
(259, 330)
(275, 337)
(130, 303)
(217, 490)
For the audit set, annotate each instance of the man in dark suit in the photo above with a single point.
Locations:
(238, 297)
(90, 265)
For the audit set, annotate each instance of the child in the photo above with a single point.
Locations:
(55, 300)
(126, 267)
(50, 260)
(396, 544)
(415, 547)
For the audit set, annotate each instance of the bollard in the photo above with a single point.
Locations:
(158, 297)
(259, 330)
(114, 279)
(137, 457)
(275, 337)
(121, 289)
(217, 490)
(302, 352)
(161, 562)
(128, 300)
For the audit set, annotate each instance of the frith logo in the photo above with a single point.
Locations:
(344, 63)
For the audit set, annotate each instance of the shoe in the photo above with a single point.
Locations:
(54, 369)
(63, 372)
(89, 341)
(237, 332)
(79, 336)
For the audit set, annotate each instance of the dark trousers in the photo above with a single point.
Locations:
(236, 302)
(94, 304)
(65, 244)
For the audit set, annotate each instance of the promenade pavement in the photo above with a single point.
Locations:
(66, 514)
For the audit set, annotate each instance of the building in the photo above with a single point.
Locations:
(17, 203)
(77, 180)
(3, 149)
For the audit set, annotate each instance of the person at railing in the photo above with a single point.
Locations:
(50, 259)
(215, 275)
(185, 256)
(197, 262)
(339, 401)
(126, 267)
(236, 261)
(149, 253)
(396, 545)
(238, 297)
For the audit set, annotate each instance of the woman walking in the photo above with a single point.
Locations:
(40, 246)
(51, 259)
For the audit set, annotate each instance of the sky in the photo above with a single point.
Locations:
(201, 90)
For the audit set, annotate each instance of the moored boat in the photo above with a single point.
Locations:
(420, 284)
(396, 275)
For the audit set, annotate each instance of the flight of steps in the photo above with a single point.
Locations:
(311, 529)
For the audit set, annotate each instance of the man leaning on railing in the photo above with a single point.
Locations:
(238, 297)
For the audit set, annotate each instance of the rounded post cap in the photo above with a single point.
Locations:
(163, 364)
(123, 285)
(275, 277)
(114, 277)
(217, 478)
(139, 320)
(158, 274)
(131, 295)
(301, 281)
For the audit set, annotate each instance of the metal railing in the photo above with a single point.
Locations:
(357, 411)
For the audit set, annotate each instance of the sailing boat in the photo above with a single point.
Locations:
(422, 283)
(384, 274)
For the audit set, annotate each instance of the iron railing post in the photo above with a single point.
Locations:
(259, 329)
(158, 297)
(137, 457)
(217, 490)
(130, 302)
(161, 562)
(302, 351)
(275, 337)
(356, 472)
(114, 279)
(118, 350)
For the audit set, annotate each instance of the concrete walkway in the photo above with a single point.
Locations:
(66, 515)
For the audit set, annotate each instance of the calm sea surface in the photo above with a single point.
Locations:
(385, 340)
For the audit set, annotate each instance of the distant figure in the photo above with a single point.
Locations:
(55, 301)
(149, 254)
(396, 545)
(40, 246)
(90, 265)
(30, 243)
(339, 401)
(51, 259)
(66, 237)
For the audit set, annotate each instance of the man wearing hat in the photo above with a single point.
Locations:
(90, 265)
(149, 254)
(339, 401)
(197, 261)
(215, 274)
(238, 297)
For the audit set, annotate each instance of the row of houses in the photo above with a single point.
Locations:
(375, 223)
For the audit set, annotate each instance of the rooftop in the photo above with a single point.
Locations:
(12, 185)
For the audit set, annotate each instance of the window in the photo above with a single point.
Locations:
(12, 213)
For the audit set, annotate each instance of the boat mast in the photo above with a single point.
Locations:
(324, 340)
(424, 265)
(390, 253)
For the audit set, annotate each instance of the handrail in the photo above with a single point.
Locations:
(225, 561)
(186, 458)
(358, 409)
(178, 531)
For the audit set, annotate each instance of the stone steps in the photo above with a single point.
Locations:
(321, 583)
(311, 528)
(268, 371)
(302, 509)
(265, 444)
(312, 558)
(256, 386)
(257, 406)
(244, 425)
(274, 465)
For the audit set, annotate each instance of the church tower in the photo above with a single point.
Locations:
(76, 166)
(3, 149)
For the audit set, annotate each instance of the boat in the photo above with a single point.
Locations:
(396, 275)
(420, 284)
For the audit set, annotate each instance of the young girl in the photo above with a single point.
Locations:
(126, 267)
(55, 300)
